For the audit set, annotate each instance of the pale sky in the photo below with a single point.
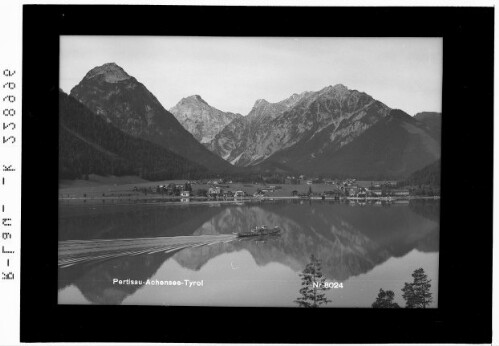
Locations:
(232, 73)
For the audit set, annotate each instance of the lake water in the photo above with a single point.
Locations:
(363, 247)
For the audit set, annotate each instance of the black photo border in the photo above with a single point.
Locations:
(464, 313)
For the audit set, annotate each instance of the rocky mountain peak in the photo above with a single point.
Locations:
(260, 102)
(200, 119)
(111, 72)
(336, 89)
(339, 87)
(194, 99)
(295, 96)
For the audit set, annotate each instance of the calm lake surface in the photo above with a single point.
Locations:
(364, 247)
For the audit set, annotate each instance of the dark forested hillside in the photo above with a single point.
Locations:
(89, 144)
(433, 121)
(429, 176)
(394, 147)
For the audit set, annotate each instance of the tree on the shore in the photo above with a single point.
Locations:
(417, 294)
(313, 285)
(385, 300)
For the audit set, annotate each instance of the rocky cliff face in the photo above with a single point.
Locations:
(309, 123)
(200, 119)
(233, 143)
(126, 103)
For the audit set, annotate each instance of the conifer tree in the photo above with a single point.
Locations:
(313, 285)
(417, 294)
(385, 300)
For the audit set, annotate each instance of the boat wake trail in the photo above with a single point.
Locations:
(73, 252)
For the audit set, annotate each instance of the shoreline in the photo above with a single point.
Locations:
(204, 200)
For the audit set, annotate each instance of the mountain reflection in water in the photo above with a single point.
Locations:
(366, 247)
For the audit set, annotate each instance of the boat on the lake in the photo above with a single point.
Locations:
(259, 232)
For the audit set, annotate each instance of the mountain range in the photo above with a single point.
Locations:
(335, 131)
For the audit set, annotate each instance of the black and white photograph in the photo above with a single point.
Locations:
(250, 171)
(286, 173)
